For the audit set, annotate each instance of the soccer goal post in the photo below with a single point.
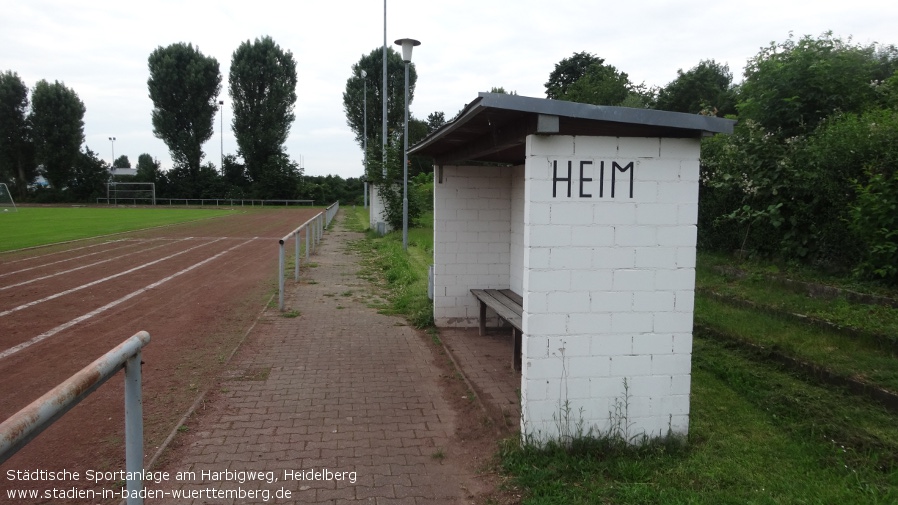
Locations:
(131, 192)
(6, 201)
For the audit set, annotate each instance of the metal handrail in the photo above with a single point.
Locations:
(29, 422)
(315, 229)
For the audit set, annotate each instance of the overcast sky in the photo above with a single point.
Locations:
(100, 50)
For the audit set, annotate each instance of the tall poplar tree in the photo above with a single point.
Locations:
(262, 86)
(16, 149)
(184, 86)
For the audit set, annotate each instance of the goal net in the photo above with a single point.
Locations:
(131, 192)
(6, 201)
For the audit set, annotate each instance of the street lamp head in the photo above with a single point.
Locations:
(407, 45)
(112, 139)
(364, 74)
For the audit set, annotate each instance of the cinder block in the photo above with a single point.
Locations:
(650, 385)
(638, 236)
(653, 301)
(568, 302)
(537, 257)
(631, 322)
(537, 213)
(677, 405)
(612, 345)
(591, 280)
(656, 257)
(630, 366)
(574, 213)
(671, 364)
(568, 346)
(653, 343)
(611, 301)
(589, 323)
(536, 302)
(547, 236)
(592, 236)
(542, 368)
(576, 387)
(614, 213)
(614, 257)
(681, 279)
(673, 322)
(680, 384)
(595, 147)
(682, 343)
(633, 280)
(545, 324)
(690, 170)
(547, 280)
(684, 301)
(686, 257)
(655, 169)
(680, 149)
(550, 145)
(608, 388)
(678, 192)
(638, 147)
(656, 213)
(570, 258)
(676, 236)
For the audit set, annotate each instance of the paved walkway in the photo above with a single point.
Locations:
(340, 404)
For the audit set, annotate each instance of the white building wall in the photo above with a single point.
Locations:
(377, 209)
(472, 222)
(608, 283)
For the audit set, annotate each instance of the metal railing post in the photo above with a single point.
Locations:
(296, 258)
(133, 427)
(308, 229)
(281, 274)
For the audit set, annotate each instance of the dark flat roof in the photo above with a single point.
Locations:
(494, 127)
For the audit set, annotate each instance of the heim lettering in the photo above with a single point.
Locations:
(615, 167)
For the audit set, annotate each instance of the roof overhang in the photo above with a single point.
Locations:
(494, 127)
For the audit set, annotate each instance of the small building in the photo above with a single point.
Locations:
(588, 213)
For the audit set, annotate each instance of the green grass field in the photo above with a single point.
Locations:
(34, 226)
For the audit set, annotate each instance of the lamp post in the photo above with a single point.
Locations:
(112, 165)
(365, 134)
(221, 112)
(111, 169)
(407, 46)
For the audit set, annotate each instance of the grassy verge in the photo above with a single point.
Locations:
(756, 287)
(33, 226)
(403, 274)
(832, 350)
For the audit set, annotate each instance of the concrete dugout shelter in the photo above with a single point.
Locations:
(589, 214)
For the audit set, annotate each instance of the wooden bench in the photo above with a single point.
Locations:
(509, 306)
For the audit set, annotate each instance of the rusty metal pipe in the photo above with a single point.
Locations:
(29, 422)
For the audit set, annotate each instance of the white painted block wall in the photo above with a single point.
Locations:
(608, 283)
(376, 209)
(472, 237)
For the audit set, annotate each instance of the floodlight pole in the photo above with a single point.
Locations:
(407, 45)
(383, 94)
(221, 113)
(365, 130)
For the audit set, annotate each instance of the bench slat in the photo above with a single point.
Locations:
(504, 306)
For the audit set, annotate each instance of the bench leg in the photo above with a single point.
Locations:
(482, 319)
(517, 349)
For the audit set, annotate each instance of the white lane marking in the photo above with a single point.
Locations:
(73, 322)
(98, 281)
(67, 259)
(78, 268)
(58, 252)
